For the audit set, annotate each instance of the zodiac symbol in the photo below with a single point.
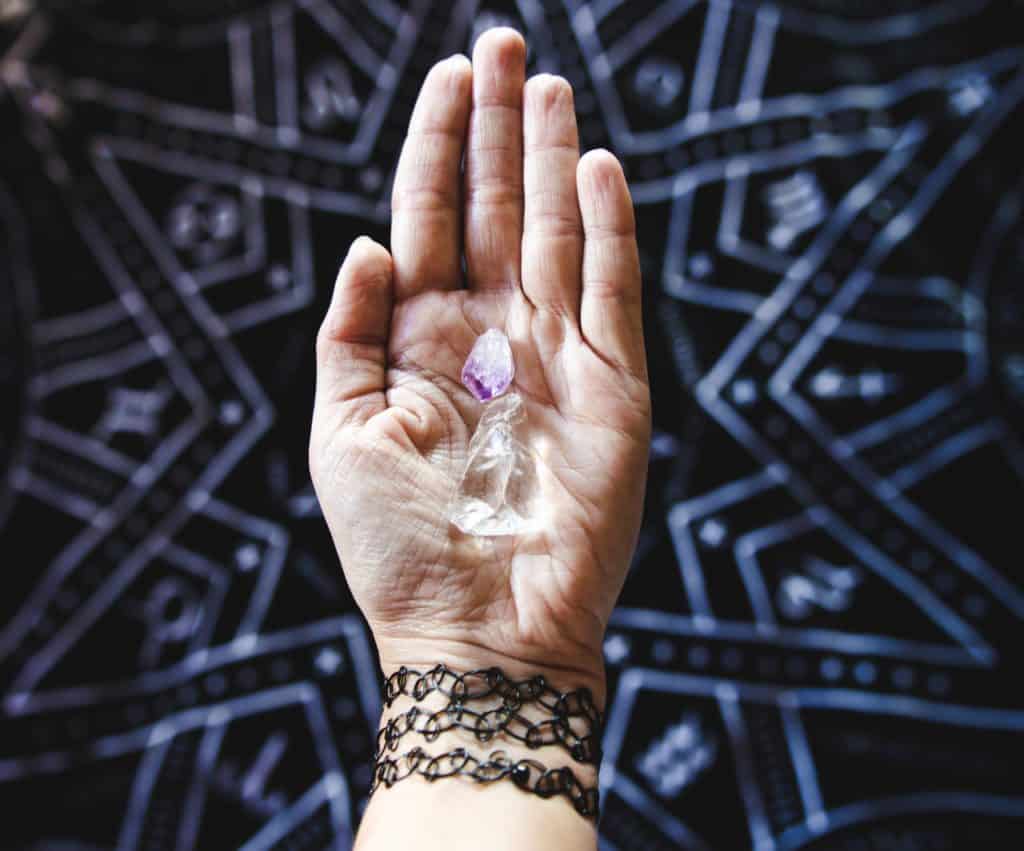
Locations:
(172, 615)
(659, 82)
(204, 222)
(330, 96)
(250, 787)
(969, 93)
(823, 585)
(133, 411)
(677, 758)
(796, 204)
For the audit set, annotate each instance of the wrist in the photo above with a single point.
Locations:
(586, 672)
(490, 725)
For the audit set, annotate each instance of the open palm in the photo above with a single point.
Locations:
(550, 258)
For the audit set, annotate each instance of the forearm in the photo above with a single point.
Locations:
(457, 813)
(481, 736)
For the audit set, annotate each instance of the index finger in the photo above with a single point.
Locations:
(426, 200)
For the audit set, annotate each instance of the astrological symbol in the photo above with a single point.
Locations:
(133, 411)
(969, 93)
(822, 585)
(270, 754)
(658, 82)
(796, 204)
(250, 787)
(673, 761)
(204, 222)
(330, 97)
(172, 615)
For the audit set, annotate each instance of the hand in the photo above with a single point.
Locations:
(392, 421)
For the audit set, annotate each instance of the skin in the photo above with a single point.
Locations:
(497, 222)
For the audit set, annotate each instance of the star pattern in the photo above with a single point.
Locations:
(818, 640)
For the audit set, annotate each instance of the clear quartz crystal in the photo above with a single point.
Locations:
(497, 492)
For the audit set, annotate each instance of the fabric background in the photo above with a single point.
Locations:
(819, 644)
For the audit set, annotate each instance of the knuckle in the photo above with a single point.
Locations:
(493, 191)
(554, 224)
(421, 197)
(324, 339)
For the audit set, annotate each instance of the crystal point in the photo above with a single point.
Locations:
(489, 369)
(498, 488)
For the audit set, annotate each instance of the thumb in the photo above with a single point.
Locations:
(352, 344)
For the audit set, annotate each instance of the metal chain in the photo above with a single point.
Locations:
(490, 723)
(528, 774)
(481, 685)
(489, 705)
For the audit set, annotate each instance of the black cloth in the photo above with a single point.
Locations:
(818, 645)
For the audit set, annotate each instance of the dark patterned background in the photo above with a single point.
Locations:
(819, 645)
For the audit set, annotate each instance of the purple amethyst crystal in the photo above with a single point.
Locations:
(489, 369)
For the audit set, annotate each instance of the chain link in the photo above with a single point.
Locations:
(528, 774)
(490, 705)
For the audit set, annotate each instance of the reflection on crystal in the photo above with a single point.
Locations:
(489, 369)
(498, 488)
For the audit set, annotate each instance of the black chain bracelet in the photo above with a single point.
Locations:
(486, 725)
(506, 718)
(490, 705)
(527, 774)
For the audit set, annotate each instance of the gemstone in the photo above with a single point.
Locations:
(497, 491)
(489, 369)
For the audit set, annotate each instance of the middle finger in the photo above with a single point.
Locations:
(494, 162)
